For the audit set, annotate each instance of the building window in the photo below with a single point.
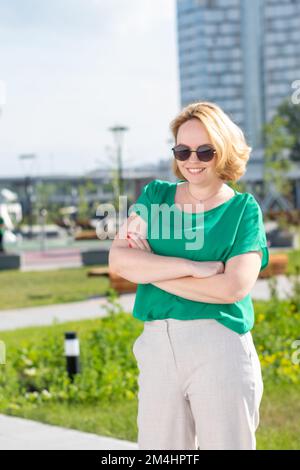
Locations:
(206, 3)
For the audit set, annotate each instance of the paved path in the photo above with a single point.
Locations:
(57, 254)
(45, 315)
(50, 259)
(95, 308)
(23, 434)
(260, 290)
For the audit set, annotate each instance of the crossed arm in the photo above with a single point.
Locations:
(234, 284)
(180, 276)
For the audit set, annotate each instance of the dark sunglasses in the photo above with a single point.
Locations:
(205, 153)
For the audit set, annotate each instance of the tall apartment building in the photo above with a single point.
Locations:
(242, 54)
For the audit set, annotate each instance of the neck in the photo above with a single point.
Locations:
(204, 192)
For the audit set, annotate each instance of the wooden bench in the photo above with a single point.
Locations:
(100, 271)
(117, 282)
(278, 264)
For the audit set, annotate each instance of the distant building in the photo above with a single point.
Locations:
(243, 55)
(64, 190)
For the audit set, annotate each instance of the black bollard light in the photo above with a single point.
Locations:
(72, 353)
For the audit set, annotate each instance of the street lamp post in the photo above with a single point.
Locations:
(42, 216)
(118, 133)
(24, 158)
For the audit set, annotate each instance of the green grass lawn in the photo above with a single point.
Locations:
(278, 429)
(29, 289)
(117, 420)
(294, 261)
(280, 418)
(279, 412)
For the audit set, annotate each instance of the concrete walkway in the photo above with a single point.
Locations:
(260, 290)
(46, 315)
(23, 434)
(95, 308)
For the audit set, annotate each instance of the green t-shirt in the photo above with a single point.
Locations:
(232, 228)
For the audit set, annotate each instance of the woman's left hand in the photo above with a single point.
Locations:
(135, 241)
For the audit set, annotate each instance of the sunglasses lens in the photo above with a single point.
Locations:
(181, 152)
(205, 153)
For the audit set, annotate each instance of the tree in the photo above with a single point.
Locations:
(84, 190)
(291, 115)
(282, 145)
(279, 143)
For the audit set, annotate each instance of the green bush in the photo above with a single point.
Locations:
(276, 335)
(36, 369)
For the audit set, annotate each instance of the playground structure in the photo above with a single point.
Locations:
(11, 213)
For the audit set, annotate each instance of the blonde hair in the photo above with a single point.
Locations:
(232, 151)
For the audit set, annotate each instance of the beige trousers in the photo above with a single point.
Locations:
(200, 386)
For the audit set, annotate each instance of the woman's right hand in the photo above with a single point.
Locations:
(206, 268)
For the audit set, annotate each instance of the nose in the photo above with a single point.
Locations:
(191, 156)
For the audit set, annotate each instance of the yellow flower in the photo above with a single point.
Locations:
(270, 359)
(260, 318)
(285, 362)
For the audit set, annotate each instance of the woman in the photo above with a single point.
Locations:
(200, 382)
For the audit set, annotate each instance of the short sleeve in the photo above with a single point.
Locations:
(250, 234)
(142, 205)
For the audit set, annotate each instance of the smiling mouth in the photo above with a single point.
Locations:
(195, 171)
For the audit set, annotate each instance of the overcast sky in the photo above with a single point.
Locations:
(73, 68)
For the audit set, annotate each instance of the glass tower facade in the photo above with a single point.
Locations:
(241, 54)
